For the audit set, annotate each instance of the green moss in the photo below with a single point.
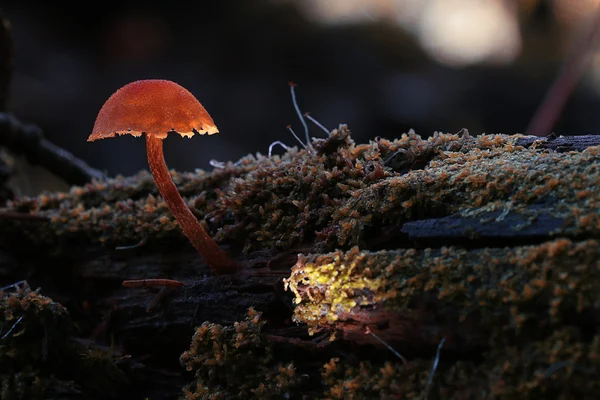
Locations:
(524, 306)
(329, 196)
(33, 329)
(118, 211)
(236, 362)
(259, 202)
(505, 288)
(561, 366)
(39, 357)
(530, 304)
(368, 381)
(488, 175)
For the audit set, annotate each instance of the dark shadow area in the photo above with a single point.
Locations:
(237, 57)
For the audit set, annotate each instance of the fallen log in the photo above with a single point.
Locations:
(359, 277)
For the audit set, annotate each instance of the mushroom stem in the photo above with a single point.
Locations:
(217, 259)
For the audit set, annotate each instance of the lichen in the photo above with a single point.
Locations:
(236, 362)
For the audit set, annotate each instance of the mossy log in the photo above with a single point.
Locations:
(448, 267)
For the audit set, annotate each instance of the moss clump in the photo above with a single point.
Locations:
(561, 366)
(507, 289)
(289, 200)
(40, 359)
(497, 302)
(331, 195)
(258, 201)
(33, 332)
(525, 310)
(236, 362)
(490, 174)
(118, 211)
(369, 381)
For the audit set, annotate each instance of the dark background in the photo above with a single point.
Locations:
(367, 69)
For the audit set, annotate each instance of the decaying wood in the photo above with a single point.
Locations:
(149, 328)
(490, 229)
(91, 277)
(561, 144)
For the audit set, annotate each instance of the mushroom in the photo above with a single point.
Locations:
(157, 107)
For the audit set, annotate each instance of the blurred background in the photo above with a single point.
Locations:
(381, 66)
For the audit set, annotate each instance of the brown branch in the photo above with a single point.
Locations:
(27, 139)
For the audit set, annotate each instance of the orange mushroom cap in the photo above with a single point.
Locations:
(155, 107)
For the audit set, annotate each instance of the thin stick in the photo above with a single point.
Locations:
(275, 143)
(289, 127)
(565, 364)
(11, 328)
(221, 164)
(390, 348)
(292, 91)
(317, 123)
(217, 164)
(139, 283)
(139, 244)
(160, 297)
(435, 364)
(11, 285)
(27, 139)
(388, 161)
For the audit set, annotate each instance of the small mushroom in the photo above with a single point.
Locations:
(156, 107)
